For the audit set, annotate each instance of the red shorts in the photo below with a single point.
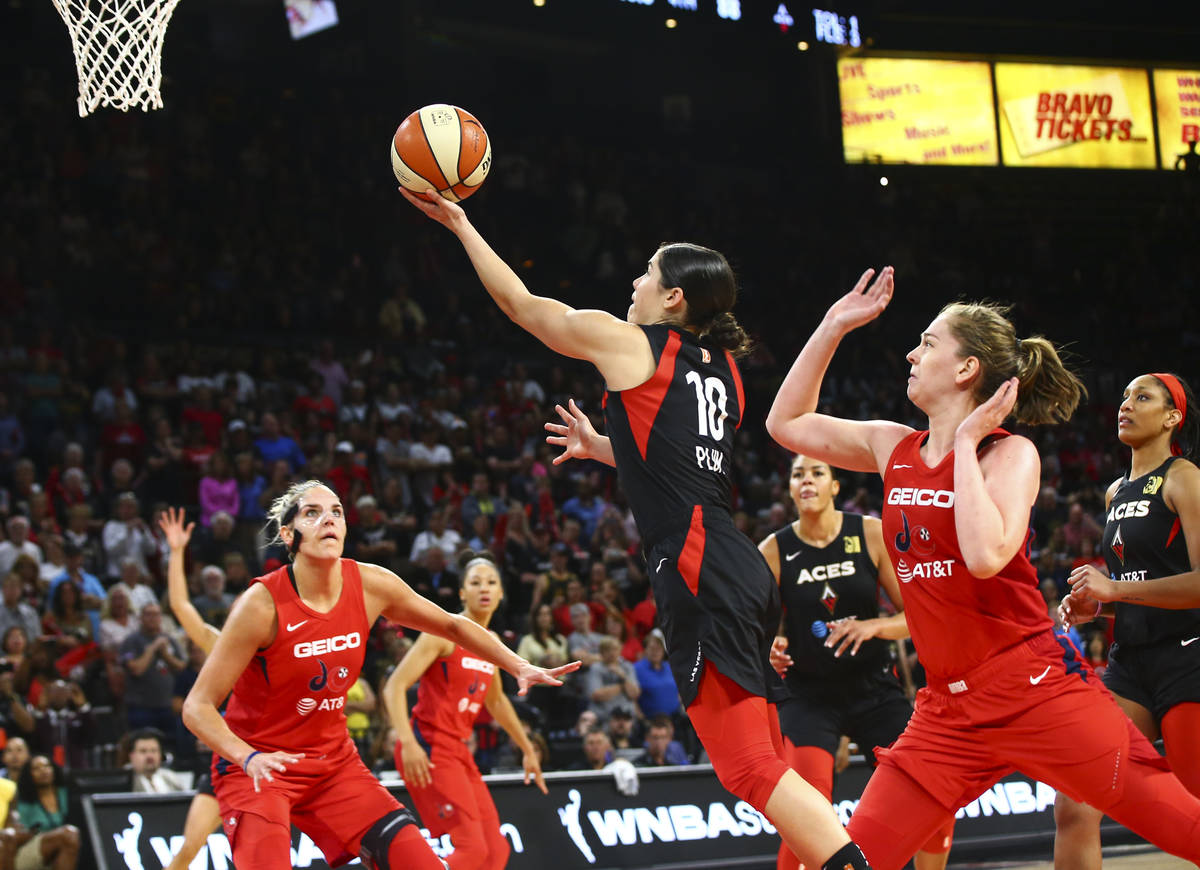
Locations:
(333, 799)
(1035, 708)
(457, 794)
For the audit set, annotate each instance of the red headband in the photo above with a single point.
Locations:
(1178, 397)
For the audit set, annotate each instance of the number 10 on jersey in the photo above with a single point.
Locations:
(710, 404)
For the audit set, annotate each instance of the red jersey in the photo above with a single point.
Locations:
(292, 695)
(450, 695)
(957, 621)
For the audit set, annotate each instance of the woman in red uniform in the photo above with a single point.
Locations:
(453, 799)
(673, 401)
(1003, 692)
(833, 649)
(294, 644)
(1151, 547)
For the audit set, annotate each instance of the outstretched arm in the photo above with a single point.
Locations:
(793, 421)
(200, 632)
(388, 594)
(618, 349)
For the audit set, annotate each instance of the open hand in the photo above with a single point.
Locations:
(436, 207)
(990, 414)
(171, 523)
(531, 675)
(262, 763)
(849, 633)
(413, 764)
(863, 304)
(576, 434)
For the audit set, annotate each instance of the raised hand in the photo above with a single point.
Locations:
(435, 207)
(990, 414)
(171, 523)
(863, 303)
(576, 434)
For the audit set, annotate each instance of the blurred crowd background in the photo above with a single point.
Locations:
(204, 305)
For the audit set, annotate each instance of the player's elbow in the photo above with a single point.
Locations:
(985, 564)
(191, 712)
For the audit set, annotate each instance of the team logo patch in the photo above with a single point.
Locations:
(1118, 545)
(829, 598)
(1152, 485)
(705, 356)
(922, 541)
(306, 705)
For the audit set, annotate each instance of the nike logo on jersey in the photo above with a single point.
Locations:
(894, 467)
(291, 627)
(660, 564)
(1033, 681)
(1189, 641)
(790, 556)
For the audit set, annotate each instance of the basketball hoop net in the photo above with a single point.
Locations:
(118, 50)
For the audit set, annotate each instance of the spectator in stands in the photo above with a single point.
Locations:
(66, 622)
(427, 459)
(162, 472)
(661, 747)
(659, 695)
(126, 536)
(349, 478)
(587, 508)
(147, 752)
(372, 539)
(552, 585)
(212, 544)
(151, 659)
(15, 716)
(15, 611)
(116, 389)
(272, 445)
(610, 682)
(1078, 527)
(622, 726)
(117, 621)
(479, 501)
(55, 561)
(213, 602)
(597, 751)
(42, 803)
(218, 489)
(80, 533)
(17, 543)
(64, 726)
(616, 626)
(438, 534)
(543, 645)
(584, 644)
(14, 756)
(136, 584)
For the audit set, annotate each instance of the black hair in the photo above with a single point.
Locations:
(710, 289)
(467, 559)
(1186, 435)
(26, 788)
(148, 734)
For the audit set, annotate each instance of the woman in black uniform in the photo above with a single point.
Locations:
(1151, 547)
(673, 402)
(834, 650)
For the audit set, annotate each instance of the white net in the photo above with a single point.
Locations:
(118, 50)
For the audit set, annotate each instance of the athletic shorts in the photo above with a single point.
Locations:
(334, 799)
(1035, 707)
(456, 794)
(1158, 676)
(717, 601)
(871, 711)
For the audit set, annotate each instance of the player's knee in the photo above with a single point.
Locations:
(1070, 815)
(750, 774)
(392, 841)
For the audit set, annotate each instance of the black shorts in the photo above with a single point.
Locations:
(871, 711)
(204, 785)
(718, 602)
(1158, 676)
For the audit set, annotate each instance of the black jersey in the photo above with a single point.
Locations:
(672, 436)
(1143, 539)
(818, 585)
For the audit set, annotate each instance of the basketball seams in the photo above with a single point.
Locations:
(432, 153)
(435, 156)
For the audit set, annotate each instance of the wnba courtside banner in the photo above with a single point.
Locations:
(1075, 116)
(908, 110)
(680, 817)
(1177, 103)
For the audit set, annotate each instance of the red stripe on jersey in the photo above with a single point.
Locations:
(643, 401)
(737, 383)
(1174, 531)
(693, 551)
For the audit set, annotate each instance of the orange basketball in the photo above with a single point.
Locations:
(443, 147)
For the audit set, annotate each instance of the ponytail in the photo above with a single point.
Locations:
(1049, 392)
(725, 332)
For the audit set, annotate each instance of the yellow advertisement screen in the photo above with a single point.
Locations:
(903, 110)
(1177, 98)
(1085, 116)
